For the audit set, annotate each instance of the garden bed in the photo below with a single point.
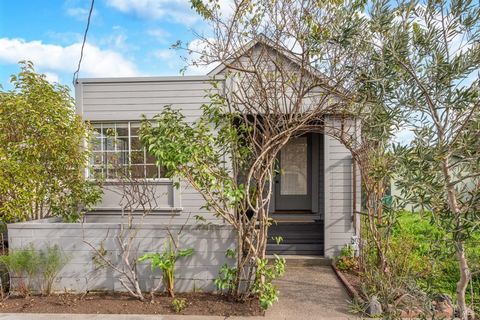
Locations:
(351, 281)
(102, 303)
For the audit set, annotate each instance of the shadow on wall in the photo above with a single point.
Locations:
(85, 272)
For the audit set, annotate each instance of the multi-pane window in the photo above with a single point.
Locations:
(117, 152)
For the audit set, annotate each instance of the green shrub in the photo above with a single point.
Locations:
(346, 260)
(166, 262)
(431, 262)
(42, 162)
(178, 305)
(267, 272)
(36, 267)
(227, 275)
(51, 261)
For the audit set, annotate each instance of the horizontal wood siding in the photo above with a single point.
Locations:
(81, 273)
(127, 99)
(120, 99)
(339, 227)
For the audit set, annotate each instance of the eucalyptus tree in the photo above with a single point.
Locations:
(435, 47)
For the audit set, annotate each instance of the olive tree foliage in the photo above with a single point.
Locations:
(371, 141)
(42, 158)
(436, 52)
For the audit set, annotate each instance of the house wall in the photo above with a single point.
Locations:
(196, 272)
(339, 189)
(128, 99)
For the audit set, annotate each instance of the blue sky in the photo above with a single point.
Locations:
(126, 37)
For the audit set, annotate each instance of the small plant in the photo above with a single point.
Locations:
(278, 239)
(166, 262)
(226, 278)
(21, 263)
(51, 261)
(178, 305)
(227, 275)
(41, 267)
(265, 274)
(346, 260)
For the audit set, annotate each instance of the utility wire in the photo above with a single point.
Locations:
(75, 74)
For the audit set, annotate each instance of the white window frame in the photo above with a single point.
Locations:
(103, 152)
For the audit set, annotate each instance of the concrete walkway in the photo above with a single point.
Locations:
(306, 293)
(312, 292)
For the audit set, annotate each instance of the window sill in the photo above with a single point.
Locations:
(159, 181)
(116, 210)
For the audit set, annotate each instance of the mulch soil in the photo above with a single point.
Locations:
(354, 279)
(352, 282)
(117, 303)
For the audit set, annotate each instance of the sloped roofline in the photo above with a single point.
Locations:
(149, 79)
(264, 40)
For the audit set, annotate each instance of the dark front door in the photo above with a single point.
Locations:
(293, 186)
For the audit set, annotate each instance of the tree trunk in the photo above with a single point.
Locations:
(463, 282)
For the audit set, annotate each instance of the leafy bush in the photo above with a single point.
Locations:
(346, 260)
(166, 262)
(420, 265)
(179, 305)
(36, 267)
(227, 274)
(396, 286)
(267, 292)
(422, 247)
(51, 261)
(21, 264)
(43, 162)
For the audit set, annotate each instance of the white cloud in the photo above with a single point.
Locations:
(195, 65)
(63, 59)
(226, 7)
(164, 54)
(79, 13)
(51, 77)
(175, 10)
(64, 37)
(117, 41)
(160, 35)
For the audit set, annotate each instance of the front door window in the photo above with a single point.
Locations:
(294, 160)
(293, 185)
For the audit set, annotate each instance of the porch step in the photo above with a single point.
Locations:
(299, 238)
(302, 247)
(304, 260)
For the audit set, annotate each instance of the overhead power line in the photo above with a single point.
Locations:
(75, 74)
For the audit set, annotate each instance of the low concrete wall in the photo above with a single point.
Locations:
(197, 272)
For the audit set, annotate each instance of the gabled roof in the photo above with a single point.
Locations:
(265, 41)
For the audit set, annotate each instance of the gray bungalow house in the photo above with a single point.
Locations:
(312, 202)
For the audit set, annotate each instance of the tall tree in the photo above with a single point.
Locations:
(437, 55)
